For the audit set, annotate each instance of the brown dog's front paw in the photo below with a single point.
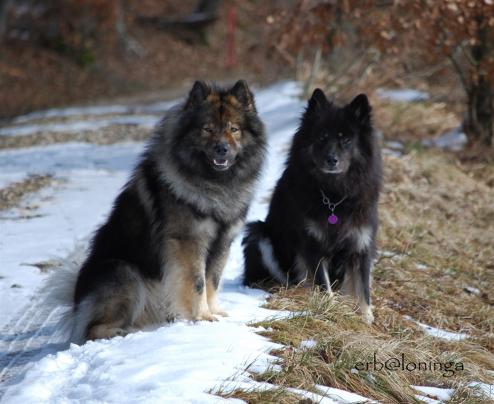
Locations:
(217, 311)
(206, 316)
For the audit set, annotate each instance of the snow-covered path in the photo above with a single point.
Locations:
(180, 362)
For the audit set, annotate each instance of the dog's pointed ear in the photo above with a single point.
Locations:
(360, 109)
(200, 90)
(243, 94)
(317, 101)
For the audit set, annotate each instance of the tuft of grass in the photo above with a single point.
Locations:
(351, 355)
(277, 395)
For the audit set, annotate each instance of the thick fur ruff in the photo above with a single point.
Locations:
(334, 153)
(161, 253)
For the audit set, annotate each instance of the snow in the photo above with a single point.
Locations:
(485, 390)
(179, 362)
(308, 344)
(342, 396)
(436, 392)
(427, 400)
(175, 363)
(402, 95)
(471, 290)
(146, 121)
(7, 179)
(454, 140)
(438, 332)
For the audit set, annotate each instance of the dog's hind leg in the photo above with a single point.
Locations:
(356, 283)
(112, 306)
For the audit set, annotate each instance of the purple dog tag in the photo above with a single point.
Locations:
(332, 219)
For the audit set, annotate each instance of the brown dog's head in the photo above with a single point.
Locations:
(218, 126)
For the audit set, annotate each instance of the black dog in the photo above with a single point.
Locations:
(323, 218)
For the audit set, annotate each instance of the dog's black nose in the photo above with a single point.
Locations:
(221, 149)
(332, 160)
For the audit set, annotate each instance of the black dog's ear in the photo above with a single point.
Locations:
(317, 101)
(360, 109)
(200, 90)
(243, 94)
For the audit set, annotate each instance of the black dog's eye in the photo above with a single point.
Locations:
(323, 137)
(207, 129)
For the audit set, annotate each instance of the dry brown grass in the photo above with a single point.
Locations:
(413, 122)
(11, 195)
(435, 213)
(437, 239)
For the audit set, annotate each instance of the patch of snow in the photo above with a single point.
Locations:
(471, 290)
(427, 400)
(486, 390)
(308, 344)
(342, 396)
(440, 393)
(8, 178)
(454, 140)
(439, 333)
(390, 152)
(392, 255)
(176, 363)
(145, 121)
(392, 144)
(393, 148)
(402, 95)
(421, 267)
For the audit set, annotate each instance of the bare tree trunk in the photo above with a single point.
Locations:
(127, 42)
(479, 125)
(4, 9)
(480, 115)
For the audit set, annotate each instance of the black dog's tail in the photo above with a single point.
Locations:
(261, 266)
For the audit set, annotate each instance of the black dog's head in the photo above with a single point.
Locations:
(335, 137)
(219, 127)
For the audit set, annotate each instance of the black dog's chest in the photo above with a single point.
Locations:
(319, 230)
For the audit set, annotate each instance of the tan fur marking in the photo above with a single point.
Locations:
(231, 99)
(213, 98)
(188, 266)
(106, 331)
(212, 300)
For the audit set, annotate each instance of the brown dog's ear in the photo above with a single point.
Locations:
(200, 90)
(243, 94)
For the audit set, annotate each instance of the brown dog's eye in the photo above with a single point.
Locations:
(234, 129)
